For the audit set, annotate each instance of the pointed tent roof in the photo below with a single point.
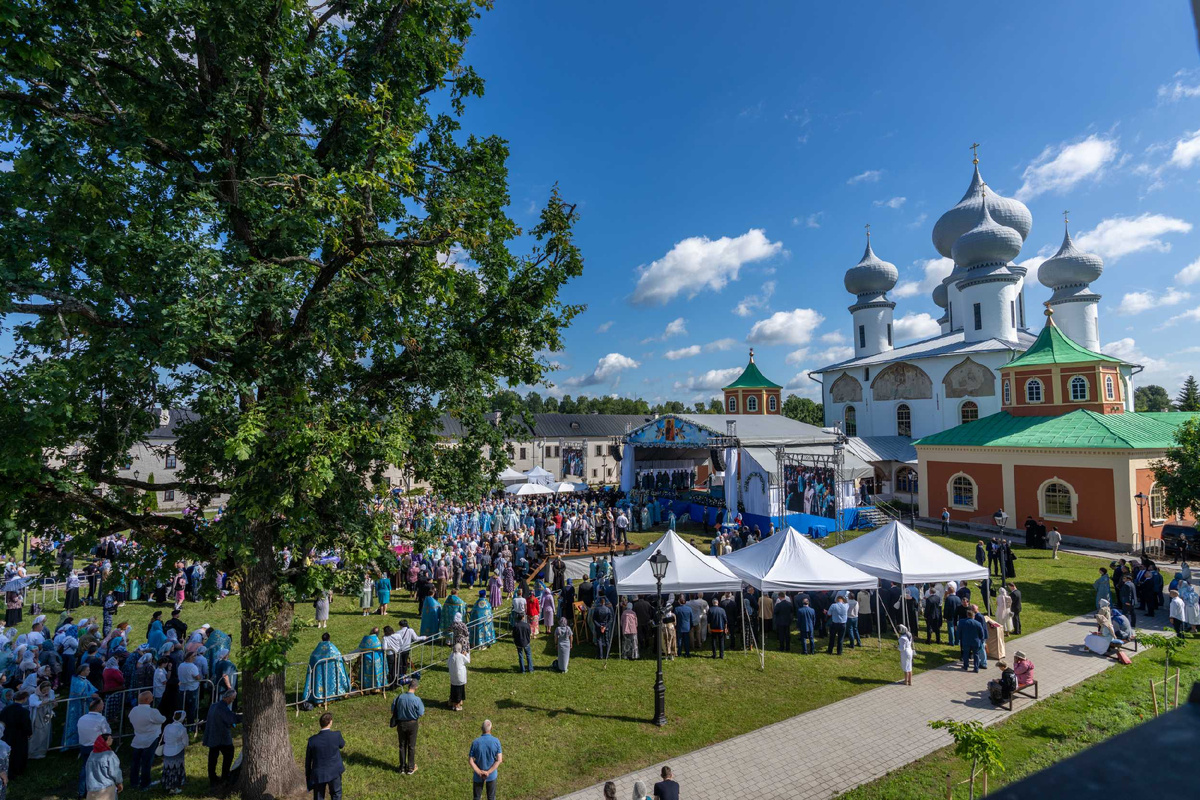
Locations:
(752, 378)
(1052, 346)
(895, 552)
(511, 474)
(523, 489)
(689, 570)
(790, 562)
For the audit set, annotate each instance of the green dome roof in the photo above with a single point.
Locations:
(751, 378)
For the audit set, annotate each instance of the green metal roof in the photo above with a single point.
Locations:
(751, 378)
(1080, 429)
(1052, 346)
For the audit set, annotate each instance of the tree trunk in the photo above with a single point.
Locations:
(269, 768)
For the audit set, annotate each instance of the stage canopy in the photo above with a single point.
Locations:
(853, 467)
(790, 562)
(897, 553)
(539, 476)
(689, 570)
(524, 489)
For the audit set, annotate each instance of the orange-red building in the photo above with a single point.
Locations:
(752, 393)
(1063, 450)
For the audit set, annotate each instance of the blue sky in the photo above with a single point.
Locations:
(725, 158)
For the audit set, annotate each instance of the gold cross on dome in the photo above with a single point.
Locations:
(868, 227)
(975, 152)
(1065, 220)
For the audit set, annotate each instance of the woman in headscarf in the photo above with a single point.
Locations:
(547, 608)
(169, 644)
(102, 770)
(483, 631)
(457, 667)
(327, 677)
(365, 595)
(1191, 604)
(321, 607)
(510, 578)
(17, 730)
(383, 587)
(113, 687)
(533, 607)
(143, 670)
(110, 608)
(629, 632)
(670, 639)
(430, 616)
(454, 605)
(494, 588)
(41, 712)
(155, 635)
(459, 633)
(225, 673)
(373, 665)
(81, 692)
(15, 604)
(1004, 609)
(72, 599)
(1100, 641)
(5, 756)
(563, 638)
(174, 743)
(905, 645)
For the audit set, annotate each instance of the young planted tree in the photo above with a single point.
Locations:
(974, 744)
(265, 213)
(1170, 645)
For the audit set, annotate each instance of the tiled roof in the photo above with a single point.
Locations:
(1080, 429)
(1055, 347)
(945, 344)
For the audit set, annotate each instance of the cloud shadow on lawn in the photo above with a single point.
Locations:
(507, 703)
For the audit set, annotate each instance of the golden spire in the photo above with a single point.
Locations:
(1066, 221)
(1049, 313)
(975, 153)
(751, 355)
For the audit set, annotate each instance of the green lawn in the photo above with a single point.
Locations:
(1056, 728)
(562, 732)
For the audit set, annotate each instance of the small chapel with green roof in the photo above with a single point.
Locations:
(752, 393)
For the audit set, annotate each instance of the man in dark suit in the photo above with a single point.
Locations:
(1015, 595)
(218, 737)
(718, 626)
(323, 766)
(782, 615)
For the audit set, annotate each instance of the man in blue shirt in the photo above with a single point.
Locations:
(971, 636)
(485, 759)
(838, 612)
(806, 623)
(407, 710)
(684, 619)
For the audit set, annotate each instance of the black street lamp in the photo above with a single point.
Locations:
(658, 566)
(1141, 501)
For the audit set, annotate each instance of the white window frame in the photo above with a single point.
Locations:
(1162, 517)
(950, 498)
(1074, 382)
(1110, 388)
(908, 409)
(1007, 392)
(731, 404)
(1045, 513)
(1041, 390)
(751, 405)
(772, 403)
(963, 407)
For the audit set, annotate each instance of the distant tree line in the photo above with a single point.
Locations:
(1155, 398)
(508, 401)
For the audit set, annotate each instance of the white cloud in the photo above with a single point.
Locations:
(699, 263)
(721, 345)
(870, 176)
(830, 355)
(676, 327)
(935, 270)
(1119, 236)
(712, 380)
(604, 326)
(916, 326)
(919, 221)
(1137, 302)
(607, 368)
(752, 303)
(1032, 265)
(1190, 273)
(803, 386)
(1187, 151)
(797, 356)
(1192, 315)
(1127, 350)
(1062, 169)
(811, 221)
(683, 352)
(895, 202)
(794, 327)
(1174, 92)
(833, 337)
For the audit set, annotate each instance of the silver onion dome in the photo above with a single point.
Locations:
(871, 275)
(960, 219)
(1070, 266)
(988, 242)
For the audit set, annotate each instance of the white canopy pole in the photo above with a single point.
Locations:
(878, 620)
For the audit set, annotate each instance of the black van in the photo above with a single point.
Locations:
(1181, 542)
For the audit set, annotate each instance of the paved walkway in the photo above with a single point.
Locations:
(884, 728)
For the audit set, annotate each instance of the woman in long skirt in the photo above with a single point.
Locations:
(563, 636)
(72, 600)
(366, 595)
(321, 608)
(670, 642)
(41, 709)
(906, 653)
(174, 745)
(629, 639)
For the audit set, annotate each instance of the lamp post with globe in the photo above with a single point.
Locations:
(658, 567)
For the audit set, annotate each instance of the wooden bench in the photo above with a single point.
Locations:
(1025, 691)
(1132, 640)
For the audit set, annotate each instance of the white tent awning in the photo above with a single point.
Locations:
(790, 562)
(689, 570)
(511, 475)
(523, 489)
(895, 552)
(564, 487)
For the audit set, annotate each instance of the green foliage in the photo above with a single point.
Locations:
(1189, 396)
(974, 744)
(1151, 398)
(1179, 472)
(802, 409)
(269, 215)
(150, 502)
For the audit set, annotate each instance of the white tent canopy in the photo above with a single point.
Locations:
(523, 489)
(564, 487)
(540, 476)
(511, 475)
(895, 552)
(689, 570)
(790, 562)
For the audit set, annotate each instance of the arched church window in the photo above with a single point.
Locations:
(851, 421)
(1057, 500)
(772, 403)
(1079, 388)
(752, 405)
(903, 420)
(1109, 387)
(732, 404)
(1158, 504)
(963, 492)
(969, 412)
(1007, 393)
(1033, 391)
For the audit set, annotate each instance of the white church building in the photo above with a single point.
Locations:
(887, 394)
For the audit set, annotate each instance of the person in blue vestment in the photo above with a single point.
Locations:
(373, 667)
(671, 520)
(327, 676)
(431, 617)
(383, 588)
(453, 605)
(483, 631)
(81, 692)
(217, 641)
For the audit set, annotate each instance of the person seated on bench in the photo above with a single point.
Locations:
(1000, 690)
(1112, 630)
(1023, 668)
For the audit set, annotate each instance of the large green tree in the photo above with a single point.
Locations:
(1179, 472)
(265, 213)
(1151, 398)
(1189, 395)
(804, 410)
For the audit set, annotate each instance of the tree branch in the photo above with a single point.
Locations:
(116, 480)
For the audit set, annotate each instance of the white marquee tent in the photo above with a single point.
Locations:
(689, 571)
(539, 476)
(524, 489)
(897, 553)
(564, 487)
(790, 562)
(510, 476)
